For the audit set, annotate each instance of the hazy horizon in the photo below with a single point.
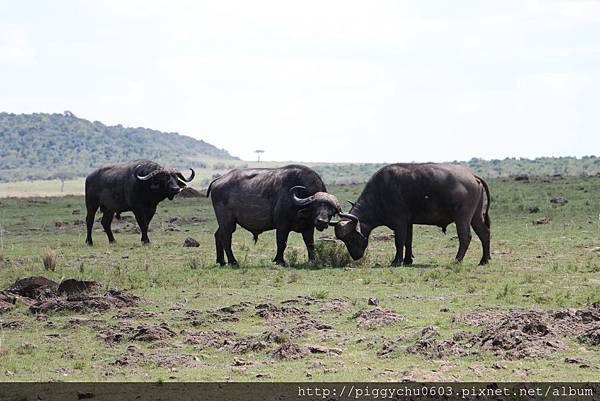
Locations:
(349, 81)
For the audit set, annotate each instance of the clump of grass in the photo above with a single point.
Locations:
(293, 257)
(50, 259)
(194, 263)
(506, 291)
(320, 294)
(294, 278)
(329, 253)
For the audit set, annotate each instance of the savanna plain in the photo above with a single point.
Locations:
(166, 312)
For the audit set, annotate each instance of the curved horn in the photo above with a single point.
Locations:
(351, 203)
(349, 216)
(182, 178)
(300, 201)
(148, 176)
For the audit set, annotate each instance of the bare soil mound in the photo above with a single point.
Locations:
(270, 311)
(376, 317)
(72, 295)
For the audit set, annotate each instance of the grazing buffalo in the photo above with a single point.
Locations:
(136, 186)
(400, 195)
(290, 198)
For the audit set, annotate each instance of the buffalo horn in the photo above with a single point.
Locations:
(149, 176)
(182, 178)
(300, 201)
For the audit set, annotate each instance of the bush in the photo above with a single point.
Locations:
(331, 253)
(50, 259)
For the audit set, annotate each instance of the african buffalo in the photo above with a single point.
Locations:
(136, 186)
(400, 195)
(262, 199)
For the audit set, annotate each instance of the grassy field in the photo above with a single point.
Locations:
(312, 329)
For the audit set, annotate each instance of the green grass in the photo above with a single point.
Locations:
(543, 266)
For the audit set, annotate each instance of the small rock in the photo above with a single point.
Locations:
(191, 243)
(533, 209)
(76, 212)
(543, 220)
(521, 177)
(373, 301)
(559, 200)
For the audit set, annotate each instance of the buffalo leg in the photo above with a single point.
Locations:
(483, 232)
(92, 208)
(464, 238)
(282, 236)
(400, 235)
(226, 243)
(107, 218)
(219, 246)
(309, 240)
(143, 218)
(408, 256)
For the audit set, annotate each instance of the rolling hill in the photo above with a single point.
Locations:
(43, 146)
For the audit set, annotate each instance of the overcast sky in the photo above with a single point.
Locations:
(368, 81)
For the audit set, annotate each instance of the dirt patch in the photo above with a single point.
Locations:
(14, 324)
(235, 308)
(269, 311)
(525, 335)
(518, 333)
(134, 357)
(283, 332)
(84, 321)
(300, 299)
(189, 192)
(7, 301)
(117, 333)
(245, 345)
(429, 344)
(199, 318)
(135, 314)
(45, 296)
(190, 242)
(541, 221)
(290, 351)
(153, 333)
(33, 287)
(376, 317)
(335, 304)
(86, 302)
(591, 336)
(210, 338)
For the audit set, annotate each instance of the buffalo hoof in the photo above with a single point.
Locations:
(147, 242)
(221, 262)
(280, 263)
(233, 263)
(89, 242)
(396, 263)
(483, 262)
(407, 262)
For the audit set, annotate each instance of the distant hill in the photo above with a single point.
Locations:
(43, 146)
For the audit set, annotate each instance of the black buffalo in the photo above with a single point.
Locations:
(136, 186)
(290, 198)
(400, 195)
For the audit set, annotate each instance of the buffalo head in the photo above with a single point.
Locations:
(350, 233)
(320, 207)
(166, 181)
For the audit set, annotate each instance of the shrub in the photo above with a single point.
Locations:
(50, 259)
(331, 253)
